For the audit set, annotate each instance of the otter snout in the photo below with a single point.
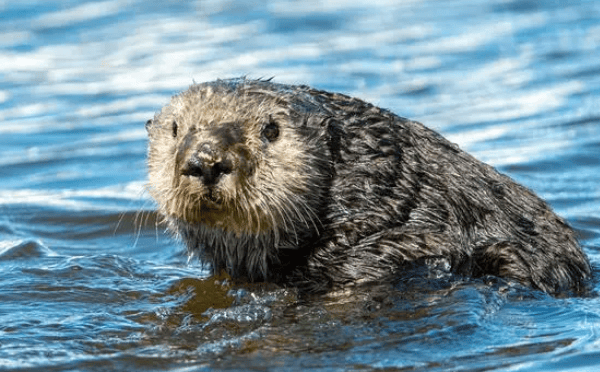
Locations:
(208, 164)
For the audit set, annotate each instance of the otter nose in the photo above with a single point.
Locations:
(208, 164)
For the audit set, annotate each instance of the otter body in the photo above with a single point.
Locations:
(296, 185)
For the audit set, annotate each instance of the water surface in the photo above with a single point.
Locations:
(90, 281)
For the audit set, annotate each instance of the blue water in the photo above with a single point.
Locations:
(90, 281)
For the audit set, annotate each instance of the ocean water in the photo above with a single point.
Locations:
(90, 281)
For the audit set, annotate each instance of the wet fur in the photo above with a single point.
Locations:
(347, 193)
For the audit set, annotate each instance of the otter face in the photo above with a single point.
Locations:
(233, 159)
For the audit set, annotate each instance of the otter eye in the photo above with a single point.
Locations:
(174, 127)
(271, 131)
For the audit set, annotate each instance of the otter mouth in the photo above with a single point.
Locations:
(211, 200)
(206, 162)
(206, 169)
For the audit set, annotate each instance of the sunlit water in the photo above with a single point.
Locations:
(89, 281)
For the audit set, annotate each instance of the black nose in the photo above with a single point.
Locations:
(208, 164)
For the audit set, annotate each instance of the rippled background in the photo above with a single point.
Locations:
(89, 281)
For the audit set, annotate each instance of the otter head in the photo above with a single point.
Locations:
(239, 159)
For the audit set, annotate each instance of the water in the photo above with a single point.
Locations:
(89, 281)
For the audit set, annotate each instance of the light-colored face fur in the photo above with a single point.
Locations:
(268, 188)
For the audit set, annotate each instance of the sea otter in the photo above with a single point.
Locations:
(284, 183)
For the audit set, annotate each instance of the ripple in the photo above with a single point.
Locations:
(23, 250)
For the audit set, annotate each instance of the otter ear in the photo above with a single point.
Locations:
(325, 127)
(149, 124)
(317, 121)
(325, 124)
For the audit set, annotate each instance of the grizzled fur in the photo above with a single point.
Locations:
(296, 185)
